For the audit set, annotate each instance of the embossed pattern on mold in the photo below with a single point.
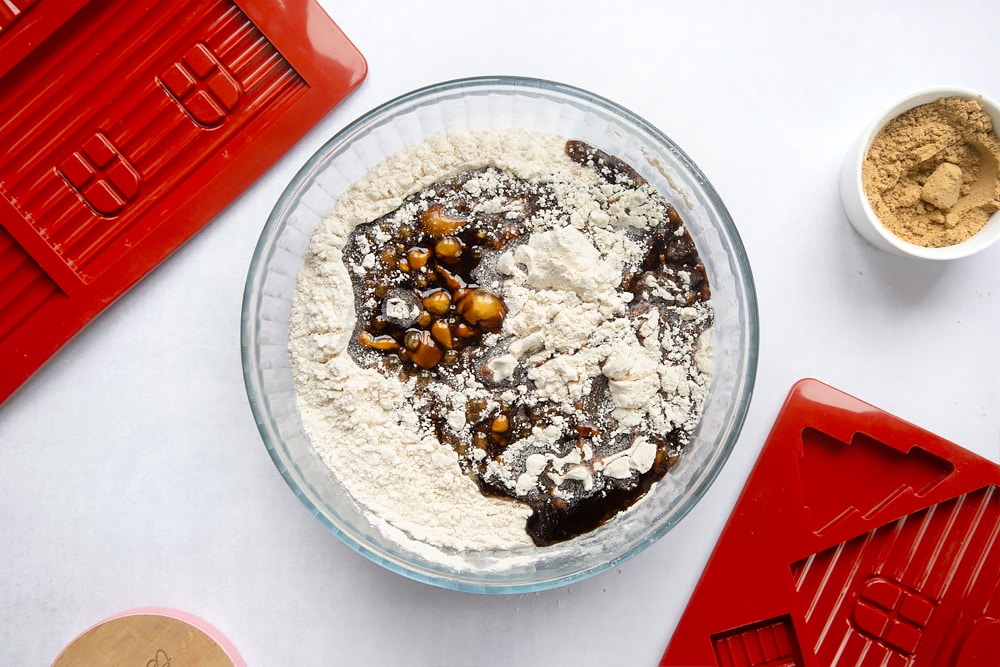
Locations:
(101, 175)
(910, 593)
(203, 87)
(879, 475)
(890, 613)
(766, 644)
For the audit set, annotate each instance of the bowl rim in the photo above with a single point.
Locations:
(735, 415)
(979, 241)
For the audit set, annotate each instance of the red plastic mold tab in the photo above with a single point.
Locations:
(125, 127)
(859, 539)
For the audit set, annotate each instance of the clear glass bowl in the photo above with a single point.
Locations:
(498, 102)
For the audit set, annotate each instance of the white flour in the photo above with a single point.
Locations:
(567, 325)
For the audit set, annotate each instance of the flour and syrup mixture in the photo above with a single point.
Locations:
(500, 338)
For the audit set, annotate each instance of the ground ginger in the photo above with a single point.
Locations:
(931, 174)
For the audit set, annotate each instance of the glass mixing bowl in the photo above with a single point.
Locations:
(498, 102)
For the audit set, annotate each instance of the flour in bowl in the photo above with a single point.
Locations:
(500, 338)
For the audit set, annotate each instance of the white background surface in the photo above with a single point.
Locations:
(131, 472)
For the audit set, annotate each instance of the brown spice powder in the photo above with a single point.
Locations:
(931, 174)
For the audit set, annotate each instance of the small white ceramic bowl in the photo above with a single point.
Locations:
(859, 210)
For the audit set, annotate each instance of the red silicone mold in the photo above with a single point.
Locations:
(859, 539)
(125, 127)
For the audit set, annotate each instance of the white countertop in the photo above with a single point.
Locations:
(131, 471)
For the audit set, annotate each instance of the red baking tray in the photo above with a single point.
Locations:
(859, 539)
(125, 127)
